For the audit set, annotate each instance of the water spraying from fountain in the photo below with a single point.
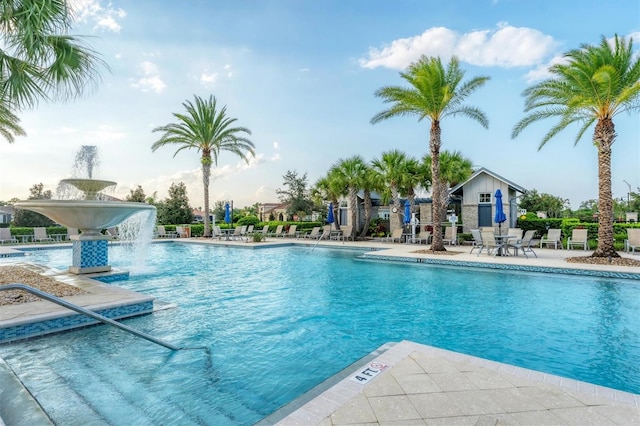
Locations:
(88, 213)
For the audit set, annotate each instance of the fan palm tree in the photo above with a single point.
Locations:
(454, 168)
(39, 60)
(351, 173)
(390, 169)
(435, 93)
(328, 188)
(9, 124)
(209, 131)
(598, 83)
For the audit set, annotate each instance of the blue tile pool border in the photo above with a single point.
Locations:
(503, 266)
(72, 321)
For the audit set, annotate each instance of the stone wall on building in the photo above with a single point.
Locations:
(469, 217)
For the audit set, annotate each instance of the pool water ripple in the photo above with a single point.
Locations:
(279, 321)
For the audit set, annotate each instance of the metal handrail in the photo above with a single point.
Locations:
(81, 310)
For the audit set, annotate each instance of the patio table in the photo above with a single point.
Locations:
(503, 244)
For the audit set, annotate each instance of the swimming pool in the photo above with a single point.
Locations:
(279, 321)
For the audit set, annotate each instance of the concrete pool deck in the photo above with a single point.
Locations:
(423, 385)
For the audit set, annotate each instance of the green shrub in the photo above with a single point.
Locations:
(248, 220)
(257, 237)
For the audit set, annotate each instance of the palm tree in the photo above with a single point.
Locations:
(9, 127)
(351, 174)
(390, 169)
(411, 179)
(208, 131)
(454, 168)
(328, 188)
(435, 93)
(598, 83)
(39, 59)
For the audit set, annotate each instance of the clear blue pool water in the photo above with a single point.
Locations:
(279, 321)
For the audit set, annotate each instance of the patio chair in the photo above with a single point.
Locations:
(237, 233)
(525, 244)
(6, 237)
(422, 236)
(578, 238)
(477, 240)
(633, 240)
(396, 235)
(40, 235)
(489, 242)
(216, 232)
(553, 237)
(249, 229)
(292, 233)
(278, 232)
(451, 235)
(264, 231)
(347, 233)
(315, 233)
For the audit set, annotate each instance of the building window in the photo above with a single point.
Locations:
(484, 198)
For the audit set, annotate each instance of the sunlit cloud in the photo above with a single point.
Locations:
(150, 79)
(102, 18)
(208, 79)
(506, 46)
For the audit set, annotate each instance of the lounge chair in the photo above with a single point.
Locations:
(477, 241)
(347, 233)
(396, 235)
(633, 240)
(6, 237)
(553, 237)
(315, 233)
(264, 231)
(422, 236)
(238, 232)
(525, 244)
(40, 235)
(216, 232)
(578, 238)
(451, 235)
(249, 230)
(489, 242)
(278, 232)
(292, 233)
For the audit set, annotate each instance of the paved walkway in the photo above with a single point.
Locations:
(424, 385)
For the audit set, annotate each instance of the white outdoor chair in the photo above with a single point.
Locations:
(578, 238)
(553, 237)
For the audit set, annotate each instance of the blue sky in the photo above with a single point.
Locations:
(302, 75)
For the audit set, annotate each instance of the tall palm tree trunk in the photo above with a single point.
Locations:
(353, 207)
(206, 175)
(434, 148)
(367, 213)
(396, 202)
(603, 137)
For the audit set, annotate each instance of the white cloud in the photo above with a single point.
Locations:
(208, 79)
(542, 71)
(227, 68)
(505, 46)
(102, 18)
(150, 79)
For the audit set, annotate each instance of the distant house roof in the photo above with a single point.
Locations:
(481, 170)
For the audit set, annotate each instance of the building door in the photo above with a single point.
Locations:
(484, 215)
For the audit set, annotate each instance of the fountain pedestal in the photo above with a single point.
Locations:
(90, 254)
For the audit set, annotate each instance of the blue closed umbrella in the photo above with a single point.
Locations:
(500, 216)
(227, 213)
(407, 213)
(330, 218)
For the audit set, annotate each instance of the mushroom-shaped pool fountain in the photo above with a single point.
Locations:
(90, 216)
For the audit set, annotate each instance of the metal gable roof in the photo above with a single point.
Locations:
(511, 184)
